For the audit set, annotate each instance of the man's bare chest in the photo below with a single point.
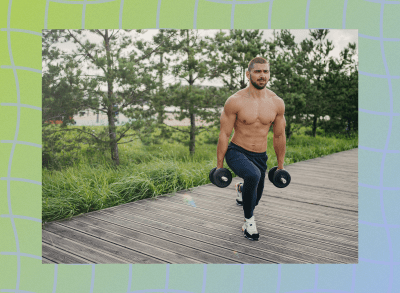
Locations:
(257, 111)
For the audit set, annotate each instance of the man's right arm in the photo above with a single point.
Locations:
(227, 121)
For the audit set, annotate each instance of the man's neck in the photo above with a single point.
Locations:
(256, 93)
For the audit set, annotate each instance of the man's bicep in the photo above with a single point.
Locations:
(280, 121)
(279, 125)
(227, 121)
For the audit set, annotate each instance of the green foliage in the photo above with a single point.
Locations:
(117, 79)
(190, 101)
(341, 90)
(287, 82)
(124, 74)
(90, 181)
(231, 53)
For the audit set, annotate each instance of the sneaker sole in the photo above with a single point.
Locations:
(252, 239)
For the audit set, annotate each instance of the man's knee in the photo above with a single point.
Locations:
(253, 176)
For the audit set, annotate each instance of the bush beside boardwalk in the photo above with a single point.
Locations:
(86, 180)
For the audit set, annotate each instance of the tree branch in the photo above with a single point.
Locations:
(125, 142)
(176, 128)
(123, 134)
(114, 33)
(95, 109)
(100, 33)
(78, 129)
(87, 52)
(144, 57)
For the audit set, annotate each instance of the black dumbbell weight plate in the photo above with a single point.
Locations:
(279, 175)
(271, 173)
(211, 175)
(222, 177)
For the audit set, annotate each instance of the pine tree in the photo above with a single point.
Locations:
(287, 79)
(189, 64)
(233, 52)
(112, 75)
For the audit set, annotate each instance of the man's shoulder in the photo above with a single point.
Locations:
(278, 100)
(239, 94)
(235, 98)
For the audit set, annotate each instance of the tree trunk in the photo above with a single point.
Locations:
(314, 128)
(111, 111)
(112, 134)
(288, 131)
(160, 108)
(192, 132)
(192, 143)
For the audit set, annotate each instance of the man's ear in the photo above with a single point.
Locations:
(248, 75)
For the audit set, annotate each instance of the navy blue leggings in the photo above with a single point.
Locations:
(251, 167)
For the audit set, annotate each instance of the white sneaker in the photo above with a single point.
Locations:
(250, 230)
(239, 200)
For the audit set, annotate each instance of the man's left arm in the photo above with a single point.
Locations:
(279, 134)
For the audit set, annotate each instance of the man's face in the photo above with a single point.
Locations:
(259, 75)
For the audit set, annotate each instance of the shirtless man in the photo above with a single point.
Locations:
(250, 113)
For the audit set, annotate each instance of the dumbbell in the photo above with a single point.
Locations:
(280, 178)
(221, 177)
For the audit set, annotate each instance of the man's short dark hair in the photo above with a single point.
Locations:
(256, 60)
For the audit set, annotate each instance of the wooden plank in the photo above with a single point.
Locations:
(329, 183)
(201, 222)
(321, 200)
(128, 255)
(232, 208)
(296, 197)
(228, 238)
(289, 205)
(203, 214)
(47, 261)
(344, 251)
(141, 233)
(349, 164)
(93, 255)
(243, 250)
(224, 231)
(270, 207)
(323, 170)
(170, 233)
(131, 243)
(314, 220)
(297, 191)
(319, 203)
(61, 256)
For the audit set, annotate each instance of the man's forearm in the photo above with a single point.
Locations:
(221, 150)
(280, 149)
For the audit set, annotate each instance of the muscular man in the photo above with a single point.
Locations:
(250, 113)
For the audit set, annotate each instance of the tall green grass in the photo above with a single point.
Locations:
(91, 181)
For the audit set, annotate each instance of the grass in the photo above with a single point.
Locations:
(90, 182)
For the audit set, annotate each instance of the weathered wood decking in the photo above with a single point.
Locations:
(313, 220)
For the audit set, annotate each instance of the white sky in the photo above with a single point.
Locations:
(339, 37)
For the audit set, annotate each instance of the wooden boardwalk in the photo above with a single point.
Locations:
(313, 220)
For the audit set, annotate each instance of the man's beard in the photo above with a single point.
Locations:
(256, 85)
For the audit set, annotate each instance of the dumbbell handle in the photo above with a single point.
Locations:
(224, 178)
(283, 180)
